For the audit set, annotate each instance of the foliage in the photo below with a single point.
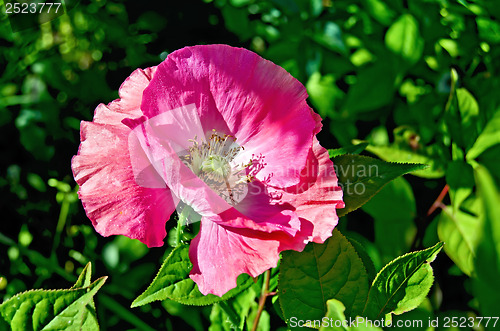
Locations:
(71, 309)
(332, 270)
(172, 282)
(411, 82)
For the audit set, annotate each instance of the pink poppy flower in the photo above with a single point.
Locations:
(227, 133)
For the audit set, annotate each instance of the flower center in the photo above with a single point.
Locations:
(213, 162)
(216, 165)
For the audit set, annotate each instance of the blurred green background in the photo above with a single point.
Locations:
(417, 79)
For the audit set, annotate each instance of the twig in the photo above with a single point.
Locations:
(263, 296)
(438, 201)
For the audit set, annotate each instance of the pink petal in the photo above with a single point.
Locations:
(110, 195)
(156, 142)
(222, 249)
(220, 254)
(153, 143)
(256, 211)
(317, 195)
(237, 92)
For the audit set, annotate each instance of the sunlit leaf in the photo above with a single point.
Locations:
(51, 309)
(173, 282)
(322, 93)
(460, 233)
(84, 277)
(489, 137)
(404, 39)
(489, 29)
(89, 315)
(335, 312)
(353, 149)
(232, 314)
(487, 263)
(461, 117)
(392, 153)
(402, 284)
(380, 11)
(336, 319)
(469, 111)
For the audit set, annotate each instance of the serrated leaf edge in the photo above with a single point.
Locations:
(279, 276)
(84, 278)
(93, 287)
(343, 211)
(142, 296)
(438, 248)
(139, 301)
(51, 291)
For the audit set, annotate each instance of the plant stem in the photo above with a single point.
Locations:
(263, 296)
(439, 199)
(61, 222)
(183, 217)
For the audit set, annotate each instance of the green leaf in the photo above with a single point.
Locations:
(319, 273)
(84, 278)
(329, 35)
(469, 111)
(461, 115)
(365, 258)
(219, 321)
(237, 312)
(323, 92)
(417, 319)
(353, 149)
(460, 179)
(49, 309)
(403, 38)
(394, 153)
(460, 232)
(89, 315)
(380, 11)
(232, 314)
(335, 319)
(374, 88)
(451, 46)
(489, 137)
(490, 158)
(173, 282)
(489, 30)
(361, 177)
(369, 247)
(236, 20)
(394, 211)
(402, 284)
(335, 312)
(487, 263)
